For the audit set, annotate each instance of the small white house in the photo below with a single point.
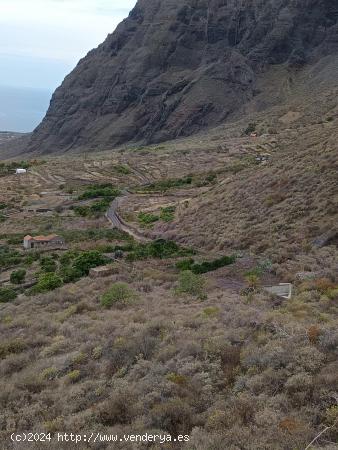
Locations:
(20, 171)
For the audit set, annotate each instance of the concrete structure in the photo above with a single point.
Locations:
(20, 171)
(283, 290)
(52, 241)
(102, 271)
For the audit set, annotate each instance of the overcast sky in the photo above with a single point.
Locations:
(42, 40)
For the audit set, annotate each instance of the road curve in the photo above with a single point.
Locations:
(116, 221)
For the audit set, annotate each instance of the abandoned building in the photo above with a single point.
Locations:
(40, 242)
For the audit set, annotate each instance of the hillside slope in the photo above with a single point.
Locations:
(174, 67)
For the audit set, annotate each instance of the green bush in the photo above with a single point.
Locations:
(157, 249)
(100, 190)
(251, 128)
(185, 264)
(88, 260)
(119, 294)
(192, 284)
(165, 185)
(48, 264)
(18, 276)
(147, 219)
(206, 266)
(70, 274)
(168, 214)
(7, 294)
(209, 266)
(9, 257)
(122, 169)
(95, 210)
(47, 282)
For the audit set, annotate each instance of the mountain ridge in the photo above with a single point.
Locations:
(171, 69)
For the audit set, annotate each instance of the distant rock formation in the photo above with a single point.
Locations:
(174, 67)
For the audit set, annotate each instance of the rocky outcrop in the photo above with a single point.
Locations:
(176, 66)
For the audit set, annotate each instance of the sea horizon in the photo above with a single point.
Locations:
(22, 108)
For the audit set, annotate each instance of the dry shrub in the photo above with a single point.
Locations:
(174, 416)
(118, 409)
(313, 334)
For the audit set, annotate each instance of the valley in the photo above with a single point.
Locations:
(153, 344)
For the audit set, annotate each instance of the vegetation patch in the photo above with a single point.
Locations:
(205, 266)
(122, 169)
(100, 191)
(158, 249)
(192, 284)
(120, 294)
(7, 295)
(147, 219)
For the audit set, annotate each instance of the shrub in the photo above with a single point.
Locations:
(7, 294)
(251, 128)
(165, 185)
(174, 416)
(18, 276)
(48, 264)
(118, 409)
(205, 266)
(88, 260)
(209, 266)
(122, 169)
(70, 274)
(95, 210)
(118, 294)
(73, 376)
(185, 264)
(168, 214)
(147, 219)
(47, 282)
(192, 284)
(157, 249)
(100, 190)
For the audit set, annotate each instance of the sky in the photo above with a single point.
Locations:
(42, 40)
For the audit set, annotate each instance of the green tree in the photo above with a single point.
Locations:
(18, 276)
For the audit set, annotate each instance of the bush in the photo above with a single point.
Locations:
(206, 266)
(165, 185)
(47, 282)
(7, 294)
(118, 294)
(174, 416)
(18, 276)
(94, 210)
(158, 249)
(48, 264)
(185, 264)
(192, 284)
(70, 274)
(121, 169)
(168, 214)
(88, 260)
(251, 128)
(100, 190)
(147, 219)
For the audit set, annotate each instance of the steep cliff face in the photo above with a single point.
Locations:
(176, 66)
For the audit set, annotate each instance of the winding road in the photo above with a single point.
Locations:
(114, 218)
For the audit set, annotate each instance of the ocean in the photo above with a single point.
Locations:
(22, 109)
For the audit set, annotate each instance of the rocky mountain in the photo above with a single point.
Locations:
(174, 67)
